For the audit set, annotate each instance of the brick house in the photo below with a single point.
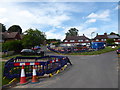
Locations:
(76, 40)
(100, 38)
(103, 38)
(115, 37)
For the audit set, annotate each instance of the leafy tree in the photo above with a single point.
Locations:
(15, 28)
(112, 33)
(72, 32)
(15, 45)
(33, 38)
(51, 40)
(2, 28)
(110, 41)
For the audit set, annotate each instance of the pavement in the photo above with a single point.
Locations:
(95, 71)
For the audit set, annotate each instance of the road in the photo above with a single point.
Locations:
(96, 71)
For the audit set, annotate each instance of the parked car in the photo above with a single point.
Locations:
(32, 52)
(118, 51)
(27, 52)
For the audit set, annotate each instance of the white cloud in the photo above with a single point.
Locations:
(3, 20)
(91, 21)
(2, 10)
(100, 16)
(46, 14)
(88, 31)
(52, 34)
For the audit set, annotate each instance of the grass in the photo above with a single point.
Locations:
(4, 81)
(107, 49)
(18, 55)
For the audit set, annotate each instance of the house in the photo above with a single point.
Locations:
(100, 38)
(115, 37)
(103, 38)
(76, 40)
(10, 36)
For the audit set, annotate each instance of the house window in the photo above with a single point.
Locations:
(80, 40)
(97, 39)
(72, 40)
(66, 41)
(87, 40)
(104, 39)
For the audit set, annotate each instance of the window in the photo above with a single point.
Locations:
(80, 40)
(66, 41)
(97, 39)
(104, 39)
(72, 40)
(87, 40)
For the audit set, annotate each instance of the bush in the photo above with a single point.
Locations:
(12, 46)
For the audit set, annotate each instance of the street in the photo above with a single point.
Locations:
(96, 71)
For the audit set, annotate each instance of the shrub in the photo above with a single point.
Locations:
(12, 46)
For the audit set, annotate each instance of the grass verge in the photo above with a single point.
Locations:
(4, 81)
(13, 56)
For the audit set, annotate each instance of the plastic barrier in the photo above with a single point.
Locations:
(44, 65)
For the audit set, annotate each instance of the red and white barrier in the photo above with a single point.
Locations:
(56, 60)
(27, 63)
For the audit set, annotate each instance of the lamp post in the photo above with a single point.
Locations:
(91, 38)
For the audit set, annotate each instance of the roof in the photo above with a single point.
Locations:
(10, 35)
(76, 38)
(101, 37)
(113, 36)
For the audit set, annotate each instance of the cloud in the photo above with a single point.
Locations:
(52, 34)
(100, 15)
(31, 16)
(88, 31)
(3, 20)
(91, 21)
(2, 10)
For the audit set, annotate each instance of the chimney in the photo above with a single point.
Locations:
(97, 34)
(83, 35)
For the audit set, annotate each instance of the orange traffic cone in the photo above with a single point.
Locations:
(34, 77)
(23, 78)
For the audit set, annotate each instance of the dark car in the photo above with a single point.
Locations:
(118, 51)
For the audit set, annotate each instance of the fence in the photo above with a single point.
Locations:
(44, 65)
(70, 51)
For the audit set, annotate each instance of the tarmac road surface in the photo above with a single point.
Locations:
(96, 71)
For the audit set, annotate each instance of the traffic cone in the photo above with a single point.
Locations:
(22, 77)
(34, 77)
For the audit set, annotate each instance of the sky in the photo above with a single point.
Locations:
(56, 18)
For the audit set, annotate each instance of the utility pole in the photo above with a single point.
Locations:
(91, 38)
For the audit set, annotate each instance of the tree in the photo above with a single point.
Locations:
(112, 33)
(33, 38)
(110, 41)
(2, 28)
(15, 45)
(15, 28)
(72, 32)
